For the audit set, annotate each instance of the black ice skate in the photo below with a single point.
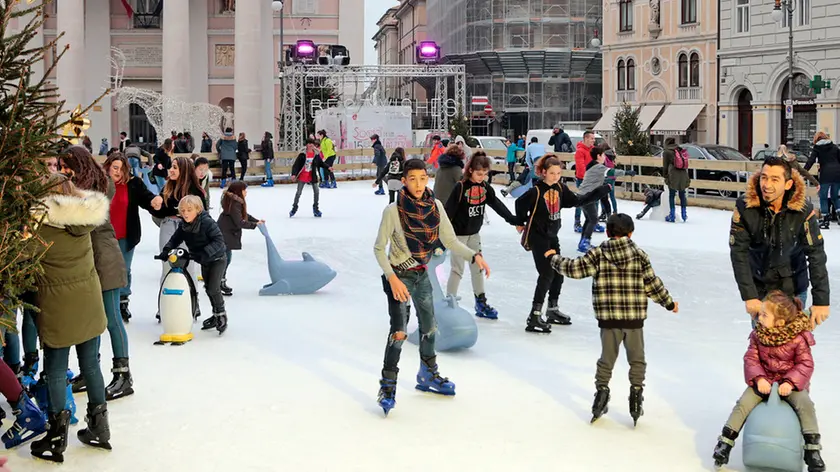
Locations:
(226, 291)
(636, 400)
(124, 312)
(726, 442)
(600, 406)
(122, 383)
(812, 453)
(52, 446)
(221, 322)
(554, 316)
(79, 384)
(825, 223)
(98, 433)
(535, 321)
(209, 323)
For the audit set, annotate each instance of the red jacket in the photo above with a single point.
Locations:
(790, 362)
(582, 158)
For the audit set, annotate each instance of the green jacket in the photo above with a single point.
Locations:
(69, 294)
(107, 256)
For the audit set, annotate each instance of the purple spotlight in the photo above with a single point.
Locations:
(428, 52)
(305, 48)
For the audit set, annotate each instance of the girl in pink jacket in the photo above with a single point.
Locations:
(779, 352)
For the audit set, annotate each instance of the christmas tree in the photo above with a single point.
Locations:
(30, 115)
(630, 138)
(459, 125)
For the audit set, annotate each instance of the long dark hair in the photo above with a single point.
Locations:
(237, 188)
(87, 174)
(399, 152)
(187, 180)
(478, 161)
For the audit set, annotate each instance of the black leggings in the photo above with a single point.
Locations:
(590, 212)
(228, 166)
(329, 176)
(392, 195)
(511, 171)
(548, 280)
(243, 166)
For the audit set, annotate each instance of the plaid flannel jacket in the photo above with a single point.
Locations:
(623, 279)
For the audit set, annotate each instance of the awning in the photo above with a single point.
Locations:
(605, 124)
(648, 114)
(676, 119)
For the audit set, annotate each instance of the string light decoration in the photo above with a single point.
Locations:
(165, 114)
(74, 130)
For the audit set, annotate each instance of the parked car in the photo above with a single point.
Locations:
(710, 152)
(492, 143)
(801, 157)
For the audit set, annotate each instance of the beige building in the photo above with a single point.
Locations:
(401, 29)
(661, 55)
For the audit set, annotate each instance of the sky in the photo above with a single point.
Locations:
(374, 9)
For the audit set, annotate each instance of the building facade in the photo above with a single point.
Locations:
(754, 71)
(661, 55)
(221, 52)
(533, 59)
(399, 32)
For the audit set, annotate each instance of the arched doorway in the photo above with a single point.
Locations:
(804, 113)
(139, 128)
(745, 124)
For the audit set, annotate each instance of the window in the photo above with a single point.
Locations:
(742, 16)
(693, 152)
(695, 70)
(304, 7)
(683, 70)
(803, 12)
(625, 12)
(631, 74)
(688, 11)
(147, 13)
(622, 84)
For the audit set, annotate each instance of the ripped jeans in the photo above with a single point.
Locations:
(420, 288)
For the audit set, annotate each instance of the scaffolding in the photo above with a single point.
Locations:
(366, 85)
(530, 57)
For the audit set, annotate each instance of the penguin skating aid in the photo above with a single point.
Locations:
(177, 300)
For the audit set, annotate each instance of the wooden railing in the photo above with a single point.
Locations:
(361, 167)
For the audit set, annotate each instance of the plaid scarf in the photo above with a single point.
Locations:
(783, 335)
(420, 220)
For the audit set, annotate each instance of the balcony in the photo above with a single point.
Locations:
(622, 96)
(690, 93)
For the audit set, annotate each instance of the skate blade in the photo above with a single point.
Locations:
(121, 395)
(486, 317)
(52, 458)
(99, 445)
(538, 331)
(159, 343)
(423, 388)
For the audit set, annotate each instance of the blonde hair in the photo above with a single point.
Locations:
(783, 152)
(783, 306)
(191, 201)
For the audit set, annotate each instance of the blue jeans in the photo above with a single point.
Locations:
(116, 327)
(229, 255)
(161, 182)
(829, 192)
(671, 194)
(268, 174)
(128, 256)
(55, 369)
(420, 288)
(803, 297)
(135, 166)
(577, 209)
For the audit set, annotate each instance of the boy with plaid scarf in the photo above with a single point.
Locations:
(622, 281)
(411, 229)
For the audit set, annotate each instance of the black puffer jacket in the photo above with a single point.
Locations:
(777, 251)
(827, 155)
(203, 237)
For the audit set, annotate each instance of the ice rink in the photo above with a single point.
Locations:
(292, 384)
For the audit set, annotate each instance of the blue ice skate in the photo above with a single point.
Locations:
(42, 397)
(387, 392)
(483, 309)
(584, 245)
(599, 228)
(429, 380)
(30, 423)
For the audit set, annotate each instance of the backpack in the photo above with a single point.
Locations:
(680, 159)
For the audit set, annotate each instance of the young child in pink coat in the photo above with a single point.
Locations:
(779, 352)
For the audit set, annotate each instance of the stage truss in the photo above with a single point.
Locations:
(367, 83)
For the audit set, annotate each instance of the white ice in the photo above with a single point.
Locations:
(292, 384)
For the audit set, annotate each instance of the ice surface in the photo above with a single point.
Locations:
(292, 384)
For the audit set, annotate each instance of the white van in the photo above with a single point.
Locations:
(543, 135)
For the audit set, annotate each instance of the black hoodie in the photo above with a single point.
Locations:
(203, 237)
(465, 207)
(826, 154)
(540, 207)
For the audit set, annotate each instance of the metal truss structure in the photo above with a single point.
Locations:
(368, 84)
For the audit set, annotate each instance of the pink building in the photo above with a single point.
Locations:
(196, 51)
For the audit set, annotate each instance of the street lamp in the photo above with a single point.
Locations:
(277, 6)
(777, 14)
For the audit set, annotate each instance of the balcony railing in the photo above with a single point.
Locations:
(690, 93)
(625, 96)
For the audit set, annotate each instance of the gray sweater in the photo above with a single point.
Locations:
(595, 177)
(398, 255)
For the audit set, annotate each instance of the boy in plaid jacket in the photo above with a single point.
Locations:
(622, 281)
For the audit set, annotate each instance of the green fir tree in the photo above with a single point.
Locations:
(30, 120)
(630, 138)
(460, 125)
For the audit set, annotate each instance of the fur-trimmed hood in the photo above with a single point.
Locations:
(794, 198)
(60, 211)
